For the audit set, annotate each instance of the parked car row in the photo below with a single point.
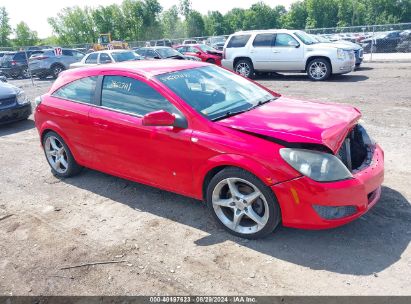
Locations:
(379, 42)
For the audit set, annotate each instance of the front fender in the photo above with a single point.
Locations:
(233, 160)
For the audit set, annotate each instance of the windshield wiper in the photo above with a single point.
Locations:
(260, 103)
(229, 113)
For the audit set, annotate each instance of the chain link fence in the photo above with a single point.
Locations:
(387, 41)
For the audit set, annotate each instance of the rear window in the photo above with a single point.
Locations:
(20, 56)
(238, 41)
(263, 40)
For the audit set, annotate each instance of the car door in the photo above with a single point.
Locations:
(261, 52)
(159, 156)
(288, 53)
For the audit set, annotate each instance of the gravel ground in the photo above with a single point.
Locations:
(169, 244)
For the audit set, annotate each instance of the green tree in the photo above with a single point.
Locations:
(195, 24)
(5, 28)
(73, 25)
(171, 23)
(296, 17)
(215, 24)
(25, 36)
(234, 20)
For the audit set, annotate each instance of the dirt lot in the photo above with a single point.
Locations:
(170, 243)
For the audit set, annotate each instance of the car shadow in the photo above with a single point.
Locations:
(303, 77)
(16, 127)
(366, 246)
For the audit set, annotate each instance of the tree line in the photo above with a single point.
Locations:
(139, 20)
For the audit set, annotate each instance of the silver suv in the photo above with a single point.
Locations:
(47, 63)
(285, 51)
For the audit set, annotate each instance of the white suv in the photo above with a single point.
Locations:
(285, 51)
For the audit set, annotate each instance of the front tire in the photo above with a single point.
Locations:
(245, 68)
(242, 204)
(59, 157)
(210, 61)
(319, 69)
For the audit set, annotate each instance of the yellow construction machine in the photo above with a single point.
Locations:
(105, 43)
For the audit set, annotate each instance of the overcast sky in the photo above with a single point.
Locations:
(35, 13)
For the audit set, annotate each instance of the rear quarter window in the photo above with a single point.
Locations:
(81, 90)
(238, 41)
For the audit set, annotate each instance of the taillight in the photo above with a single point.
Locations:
(13, 62)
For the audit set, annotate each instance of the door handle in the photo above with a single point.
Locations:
(275, 51)
(101, 125)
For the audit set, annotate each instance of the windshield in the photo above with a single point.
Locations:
(124, 56)
(168, 52)
(206, 48)
(305, 38)
(214, 92)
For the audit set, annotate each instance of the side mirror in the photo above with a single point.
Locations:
(157, 57)
(165, 119)
(159, 118)
(294, 44)
(198, 53)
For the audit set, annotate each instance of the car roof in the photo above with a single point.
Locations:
(146, 68)
(263, 31)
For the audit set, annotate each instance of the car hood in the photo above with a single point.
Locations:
(8, 90)
(348, 45)
(296, 121)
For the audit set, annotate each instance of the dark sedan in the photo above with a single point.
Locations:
(383, 43)
(14, 105)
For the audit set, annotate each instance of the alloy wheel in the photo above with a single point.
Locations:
(56, 154)
(243, 69)
(57, 70)
(240, 205)
(318, 70)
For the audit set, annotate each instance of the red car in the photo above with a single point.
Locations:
(204, 52)
(192, 128)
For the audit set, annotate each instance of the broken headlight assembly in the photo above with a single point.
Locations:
(319, 166)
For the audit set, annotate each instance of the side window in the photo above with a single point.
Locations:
(132, 96)
(191, 49)
(141, 52)
(238, 41)
(286, 40)
(67, 52)
(151, 54)
(104, 58)
(92, 58)
(81, 90)
(263, 40)
(78, 55)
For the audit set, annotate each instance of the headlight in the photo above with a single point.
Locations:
(340, 54)
(319, 166)
(22, 98)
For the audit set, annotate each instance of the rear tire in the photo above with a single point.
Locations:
(242, 204)
(319, 69)
(245, 68)
(59, 157)
(56, 70)
(210, 61)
